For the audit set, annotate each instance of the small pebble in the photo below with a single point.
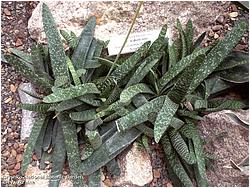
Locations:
(18, 42)
(7, 12)
(217, 27)
(216, 36)
(19, 157)
(220, 19)
(107, 182)
(17, 166)
(233, 14)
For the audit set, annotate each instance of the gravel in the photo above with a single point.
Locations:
(14, 17)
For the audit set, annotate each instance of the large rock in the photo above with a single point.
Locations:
(115, 17)
(226, 140)
(28, 117)
(136, 169)
(36, 177)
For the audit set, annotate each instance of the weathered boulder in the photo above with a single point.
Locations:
(115, 17)
(136, 169)
(27, 116)
(227, 141)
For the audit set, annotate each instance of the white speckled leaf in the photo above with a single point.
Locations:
(139, 115)
(57, 54)
(71, 92)
(133, 90)
(164, 118)
(144, 68)
(218, 54)
(178, 67)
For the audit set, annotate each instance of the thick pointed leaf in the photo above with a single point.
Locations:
(28, 72)
(71, 92)
(239, 74)
(178, 67)
(71, 143)
(86, 115)
(109, 150)
(172, 56)
(175, 163)
(89, 99)
(57, 54)
(164, 118)
(32, 141)
(218, 54)
(224, 104)
(71, 40)
(192, 115)
(38, 64)
(181, 147)
(216, 85)
(180, 89)
(58, 159)
(143, 70)
(80, 53)
(73, 72)
(22, 55)
(68, 104)
(199, 40)
(199, 104)
(183, 40)
(98, 50)
(36, 107)
(159, 42)
(139, 115)
(133, 90)
(39, 142)
(189, 34)
(48, 135)
(232, 60)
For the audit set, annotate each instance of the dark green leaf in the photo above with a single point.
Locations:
(80, 53)
(71, 143)
(139, 115)
(239, 74)
(58, 158)
(57, 54)
(164, 118)
(71, 92)
(109, 150)
(218, 54)
(144, 69)
(32, 141)
(131, 91)
(86, 115)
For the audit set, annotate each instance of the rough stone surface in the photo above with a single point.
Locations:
(136, 169)
(226, 140)
(27, 116)
(115, 17)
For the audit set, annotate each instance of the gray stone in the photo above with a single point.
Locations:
(227, 141)
(115, 17)
(136, 169)
(27, 116)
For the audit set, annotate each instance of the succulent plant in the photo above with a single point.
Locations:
(159, 91)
